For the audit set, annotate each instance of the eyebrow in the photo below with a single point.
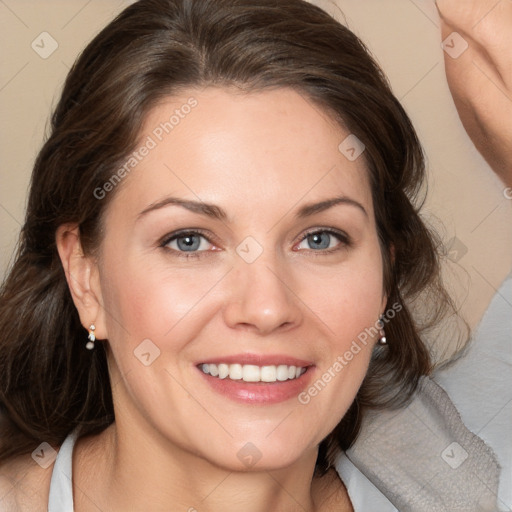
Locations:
(216, 212)
(209, 210)
(311, 209)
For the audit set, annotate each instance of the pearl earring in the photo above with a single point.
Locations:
(92, 337)
(382, 338)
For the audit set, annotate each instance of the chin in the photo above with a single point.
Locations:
(261, 453)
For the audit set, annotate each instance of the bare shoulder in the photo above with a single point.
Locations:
(24, 485)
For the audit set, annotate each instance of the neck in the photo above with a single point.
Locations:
(114, 473)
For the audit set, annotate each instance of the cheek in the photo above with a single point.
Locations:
(346, 360)
(152, 301)
(348, 303)
(348, 300)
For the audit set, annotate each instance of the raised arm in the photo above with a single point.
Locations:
(480, 78)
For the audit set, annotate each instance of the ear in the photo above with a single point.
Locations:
(82, 275)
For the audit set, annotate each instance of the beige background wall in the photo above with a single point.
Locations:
(464, 194)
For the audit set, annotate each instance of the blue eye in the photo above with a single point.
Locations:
(322, 240)
(188, 242)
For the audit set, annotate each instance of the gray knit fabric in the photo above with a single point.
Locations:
(424, 459)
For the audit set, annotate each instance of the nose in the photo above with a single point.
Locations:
(262, 298)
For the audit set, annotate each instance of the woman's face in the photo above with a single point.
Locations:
(241, 240)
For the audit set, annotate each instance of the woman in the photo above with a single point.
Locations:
(217, 275)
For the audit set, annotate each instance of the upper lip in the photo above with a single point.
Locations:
(258, 360)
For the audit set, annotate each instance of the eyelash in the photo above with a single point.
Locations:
(342, 237)
(183, 233)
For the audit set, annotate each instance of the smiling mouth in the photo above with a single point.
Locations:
(253, 373)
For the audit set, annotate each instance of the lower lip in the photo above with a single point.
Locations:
(259, 392)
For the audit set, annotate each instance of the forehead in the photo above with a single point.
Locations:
(249, 150)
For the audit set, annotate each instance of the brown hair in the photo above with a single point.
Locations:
(49, 383)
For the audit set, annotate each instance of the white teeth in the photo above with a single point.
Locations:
(250, 373)
(268, 374)
(253, 373)
(223, 371)
(282, 372)
(235, 372)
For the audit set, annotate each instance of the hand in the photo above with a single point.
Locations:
(480, 80)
